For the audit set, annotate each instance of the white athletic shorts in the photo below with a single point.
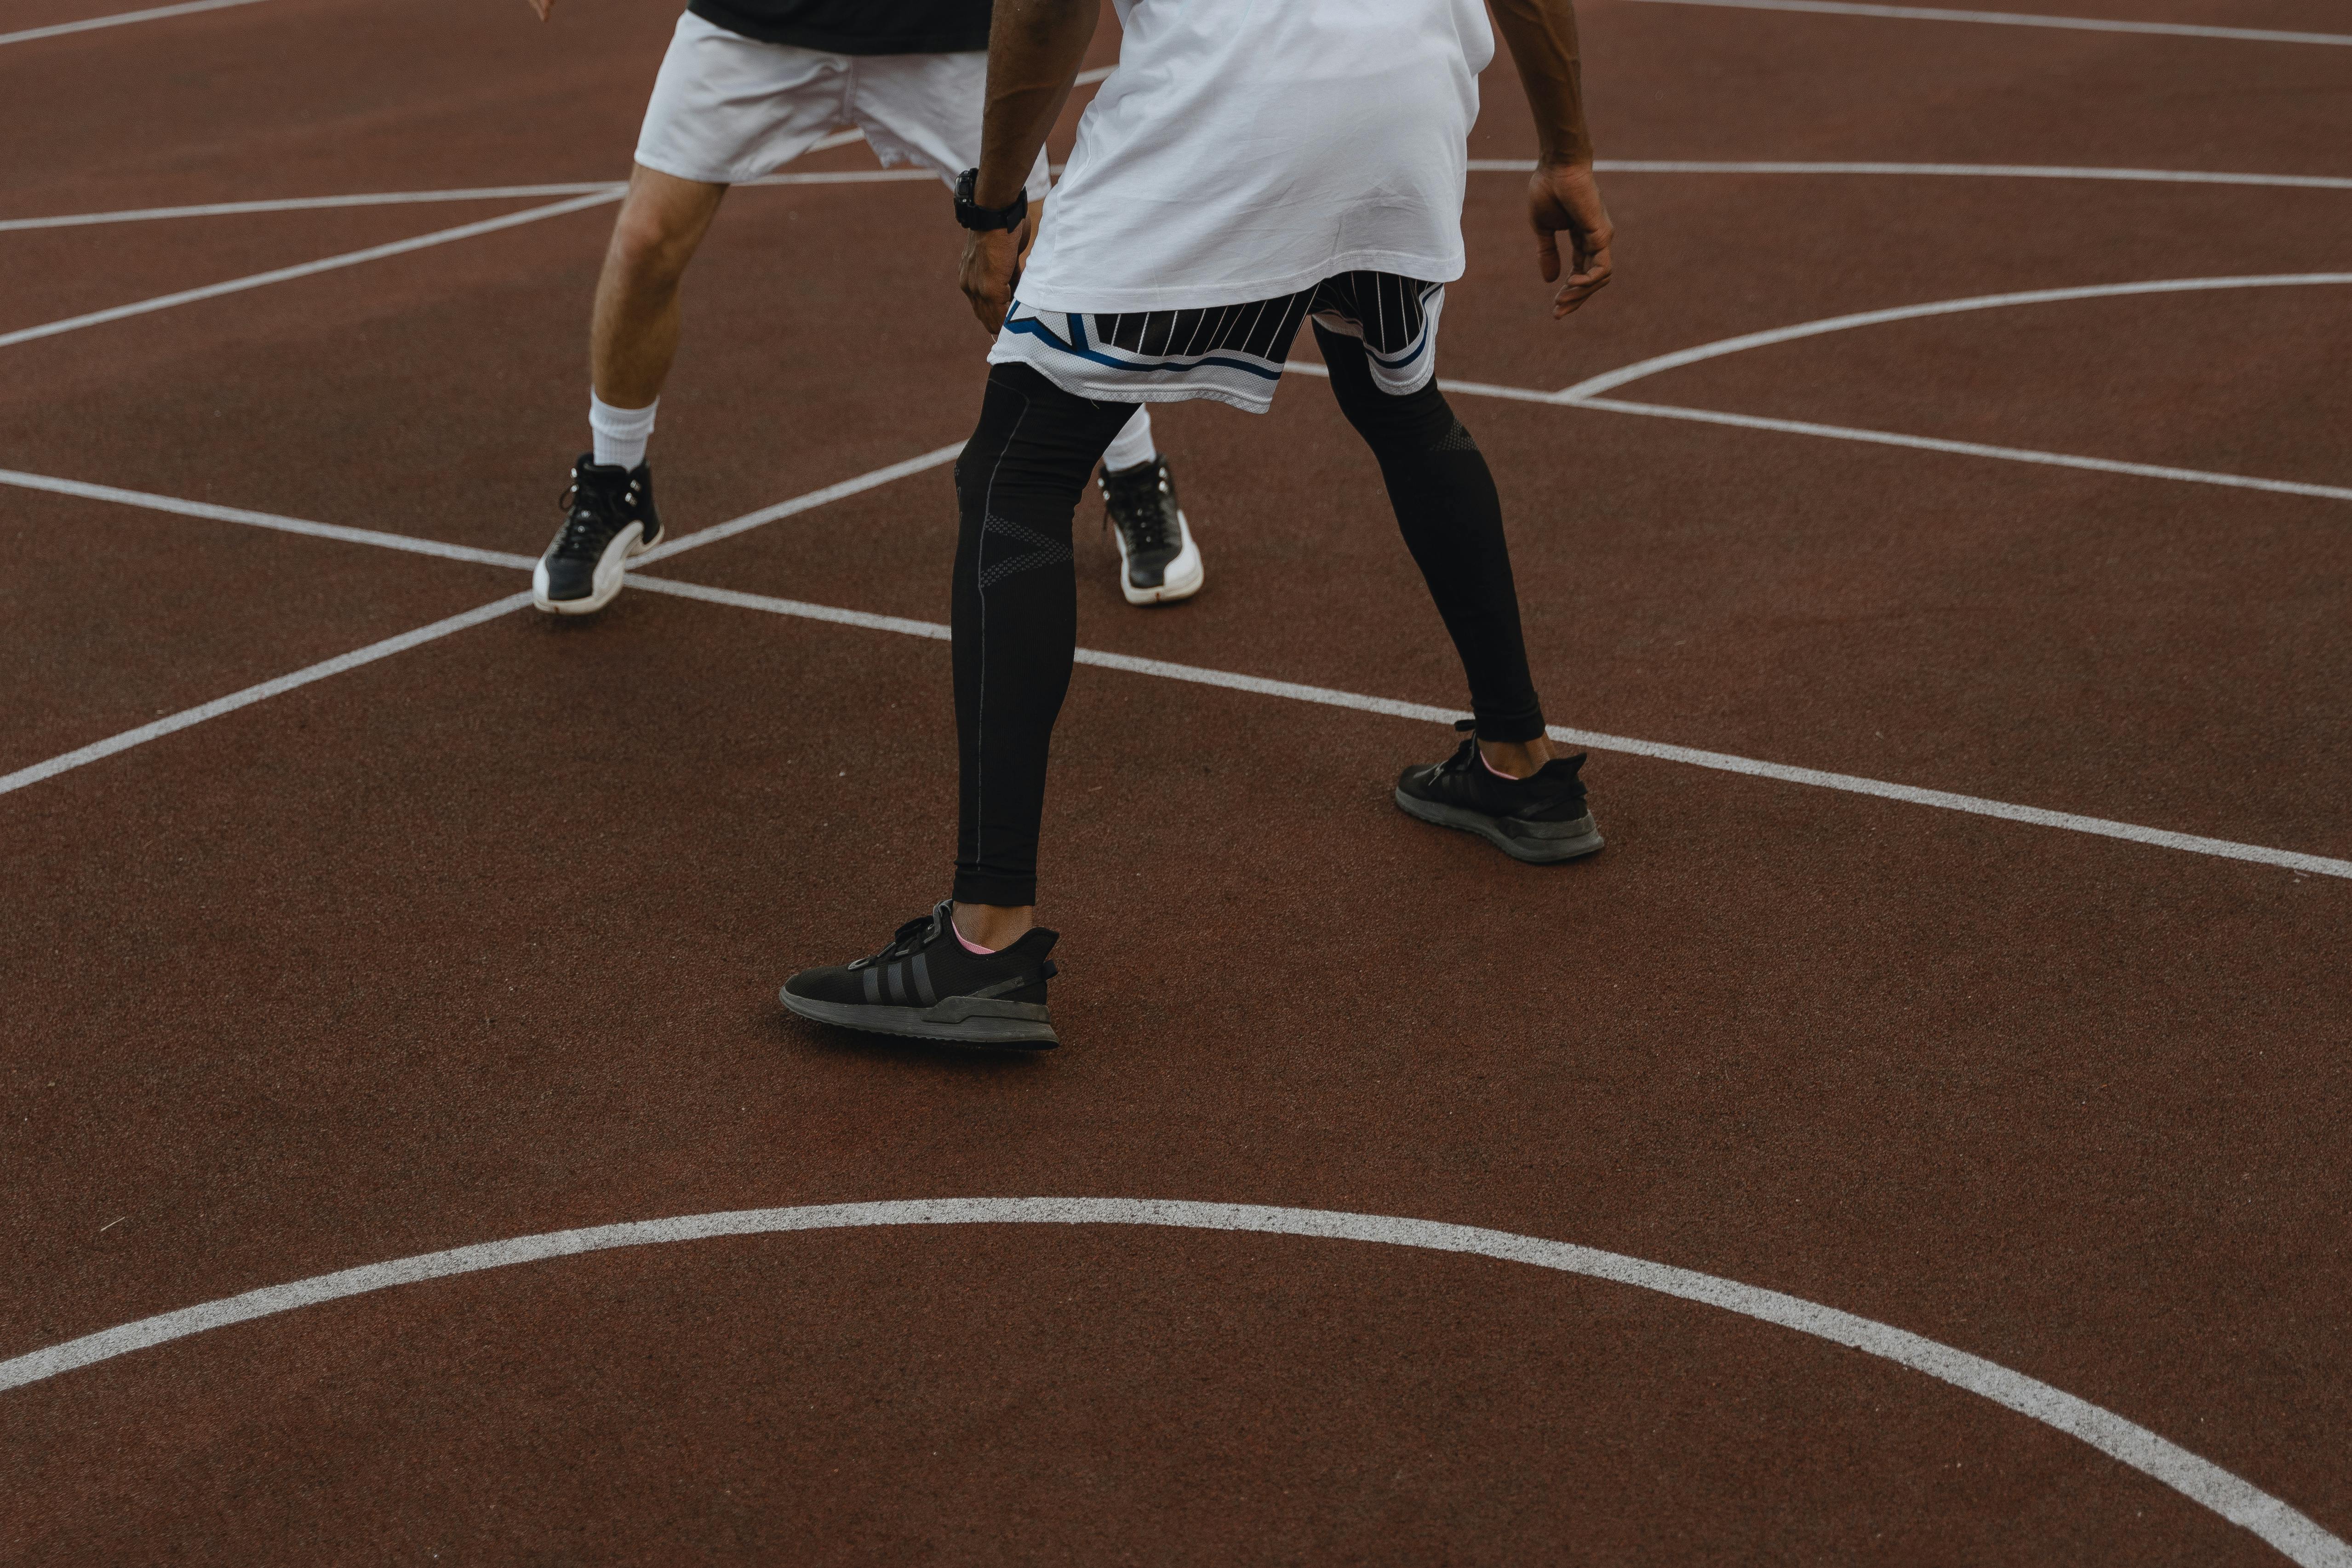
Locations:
(728, 109)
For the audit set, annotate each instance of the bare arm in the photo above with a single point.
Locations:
(1034, 50)
(1563, 197)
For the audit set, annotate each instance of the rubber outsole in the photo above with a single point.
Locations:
(603, 595)
(1538, 843)
(957, 1020)
(1183, 578)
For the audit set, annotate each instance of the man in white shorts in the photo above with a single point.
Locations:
(747, 85)
(1251, 165)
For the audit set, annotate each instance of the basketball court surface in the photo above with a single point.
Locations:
(1920, 1137)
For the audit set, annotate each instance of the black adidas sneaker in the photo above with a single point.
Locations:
(1541, 817)
(929, 985)
(608, 516)
(1158, 561)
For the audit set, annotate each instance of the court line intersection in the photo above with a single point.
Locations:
(1723, 762)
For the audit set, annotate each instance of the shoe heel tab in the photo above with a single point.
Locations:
(1047, 970)
(1043, 940)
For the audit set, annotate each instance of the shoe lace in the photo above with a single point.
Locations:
(1468, 752)
(592, 515)
(1140, 503)
(909, 939)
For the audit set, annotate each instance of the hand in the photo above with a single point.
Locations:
(992, 269)
(545, 8)
(1562, 198)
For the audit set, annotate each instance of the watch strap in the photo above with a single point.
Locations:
(972, 216)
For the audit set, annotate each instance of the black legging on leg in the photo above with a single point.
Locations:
(1453, 522)
(1016, 625)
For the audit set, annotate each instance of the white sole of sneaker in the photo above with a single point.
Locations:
(1181, 581)
(610, 570)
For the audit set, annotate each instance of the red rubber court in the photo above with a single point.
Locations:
(1920, 1137)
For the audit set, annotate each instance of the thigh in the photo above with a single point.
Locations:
(727, 108)
(926, 110)
(1394, 318)
(1035, 448)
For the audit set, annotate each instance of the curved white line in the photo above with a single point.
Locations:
(155, 14)
(2296, 1535)
(2019, 19)
(1608, 381)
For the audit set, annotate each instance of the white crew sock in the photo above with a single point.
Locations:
(1133, 444)
(621, 433)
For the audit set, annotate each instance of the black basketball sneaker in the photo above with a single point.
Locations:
(608, 516)
(928, 985)
(1541, 817)
(1158, 561)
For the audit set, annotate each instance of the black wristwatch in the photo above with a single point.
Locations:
(972, 216)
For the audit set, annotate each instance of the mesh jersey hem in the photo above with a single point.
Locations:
(745, 19)
(1077, 301)
(1112, 390)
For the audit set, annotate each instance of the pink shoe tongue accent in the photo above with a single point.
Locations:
(970, 946)
(1495, 771)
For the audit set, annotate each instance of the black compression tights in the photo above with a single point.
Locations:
(1453, 522)
(1017, 487)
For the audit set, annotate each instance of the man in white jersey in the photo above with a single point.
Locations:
(1248, 167)
(747, 85)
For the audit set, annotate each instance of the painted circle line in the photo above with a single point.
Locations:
(1608, 381)
(2296, 1535)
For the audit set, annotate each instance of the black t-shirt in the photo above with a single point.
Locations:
(856, 26)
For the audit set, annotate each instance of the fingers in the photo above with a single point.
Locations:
(1591, 275)
(1564, 200)
(990, 269)
(1547, 252)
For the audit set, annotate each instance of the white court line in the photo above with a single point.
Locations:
(1477, 165)
(1877, 437)
(845, 177)
(308, 268)
(1608, 381)
(2286, 1529)
(1973, 171)
(314, 203)
(155, 14)
(253, 694)
(2015, 19)
(153, 503)
(373, 651)
(611, 189)
(1721, 761)
(2294, 860)
(815, 499)
(1969, 448)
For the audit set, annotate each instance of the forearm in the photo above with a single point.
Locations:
(1034, 50)
(1541, 36)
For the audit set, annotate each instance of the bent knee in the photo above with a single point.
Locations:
(649, 253)
(1421, 419)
